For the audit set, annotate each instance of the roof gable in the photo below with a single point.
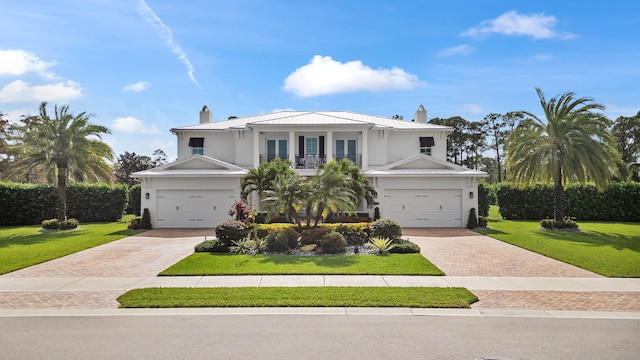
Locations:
(193, 165)
(424, 165)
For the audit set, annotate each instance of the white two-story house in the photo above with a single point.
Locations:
(405, 161)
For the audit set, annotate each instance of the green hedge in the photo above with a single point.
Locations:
(96, 202)
(135, 198)
(29, 204)
(619, 202)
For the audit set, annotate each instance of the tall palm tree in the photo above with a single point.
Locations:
(66, 145)
(572, 143)
(260, 179)
(358, 183)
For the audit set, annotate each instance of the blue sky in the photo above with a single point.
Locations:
(143, 67)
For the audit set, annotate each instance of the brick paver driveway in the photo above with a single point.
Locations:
(461, 252)
(145, 254)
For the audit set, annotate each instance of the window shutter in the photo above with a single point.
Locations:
(321, 146)
(301, 145)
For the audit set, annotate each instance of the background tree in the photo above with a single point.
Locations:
(627, 133)
(456, 140)
(66, 145)
(572, 144)
(498, 128)
(128, 163)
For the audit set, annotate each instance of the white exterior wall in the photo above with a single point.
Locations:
(377, 148)
(402, 144)
(244, 149)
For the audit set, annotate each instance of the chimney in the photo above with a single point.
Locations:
(421, 114)
(205, 115)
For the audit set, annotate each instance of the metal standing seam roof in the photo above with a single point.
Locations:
(323, 118)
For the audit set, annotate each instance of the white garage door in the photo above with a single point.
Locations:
(423, 208)
(193, 208)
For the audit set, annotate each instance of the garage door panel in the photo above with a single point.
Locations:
(193, 208)
(423, 207)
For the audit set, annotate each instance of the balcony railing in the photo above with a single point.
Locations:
(264, 158)
(310, 161)
(355, 158)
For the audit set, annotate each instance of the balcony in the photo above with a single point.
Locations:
(264, 158)
(355, 158)
(310, 161)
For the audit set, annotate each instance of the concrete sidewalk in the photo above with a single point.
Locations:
(68, 284)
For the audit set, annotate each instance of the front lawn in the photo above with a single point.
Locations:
(607, 248)
(23, 246)
(224, 264)
(416, 297)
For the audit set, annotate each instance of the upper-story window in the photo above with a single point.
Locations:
(197, 145)
(426, 143)
(277, 149)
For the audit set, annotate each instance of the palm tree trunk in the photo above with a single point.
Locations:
(558, 191)
(62, 194)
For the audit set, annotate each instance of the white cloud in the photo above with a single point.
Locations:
(165, 32)
(137, 87)
(323, 76)
(20, 91)
(457, 50)
(18, 62)
(539, 26)
(132, 125)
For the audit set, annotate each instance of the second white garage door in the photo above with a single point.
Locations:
(423, 208)
(193, 208)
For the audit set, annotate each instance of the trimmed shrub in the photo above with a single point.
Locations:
(135, 223)
(214, 245)
(354, 235)
(69, 224)
(376, 213)
(333, 243)
(333, 219)
(283, 240)
(552, 224)
(27, 204)
(484, 198)
(472, 222)
(145, 222)
(386, 228)
(404, 247)
(483, 221)
(314, 235)
(230, 230)
(51, 224)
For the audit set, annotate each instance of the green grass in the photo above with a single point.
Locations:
(221, 264)
(607, 248)
(23, 246)
(417, 297)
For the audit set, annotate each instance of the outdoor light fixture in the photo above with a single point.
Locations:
(146, 196)
(471, 195)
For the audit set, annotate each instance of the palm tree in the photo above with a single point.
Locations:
(358, 183)
(332, 190)
(63, 146)
(572, 144)
(288, 193)
(260, 179)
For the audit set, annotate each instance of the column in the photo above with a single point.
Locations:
(256, 148)
(328, 148)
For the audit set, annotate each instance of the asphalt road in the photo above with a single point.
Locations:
(316, 337)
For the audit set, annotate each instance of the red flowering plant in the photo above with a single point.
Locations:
(240, 211)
